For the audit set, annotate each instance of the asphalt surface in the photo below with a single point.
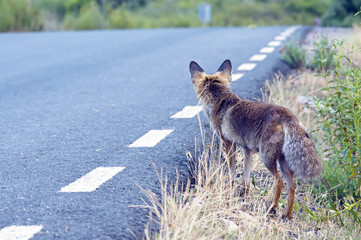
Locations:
(74, 101)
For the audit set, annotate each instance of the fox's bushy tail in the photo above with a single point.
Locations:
(300, 152)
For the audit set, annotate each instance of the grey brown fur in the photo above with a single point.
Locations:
(271, 130)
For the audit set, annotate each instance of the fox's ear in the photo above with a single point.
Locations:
(195, 70)
(226, 69)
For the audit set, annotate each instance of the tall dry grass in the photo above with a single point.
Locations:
(295, 93)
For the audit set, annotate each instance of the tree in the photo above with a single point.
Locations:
(129, 3)
(341, 13)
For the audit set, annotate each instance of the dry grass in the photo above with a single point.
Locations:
(284, 91)
(213, 209)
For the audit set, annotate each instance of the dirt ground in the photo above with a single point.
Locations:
(332, 33)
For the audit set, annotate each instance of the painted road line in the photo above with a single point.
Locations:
(280, 38)
(188, 112)
(274, 43)
(285, 34)
(236, 76)
(92, 180)
(151, 138)
(267, 50)
(288, 32)
(19, 232)
(246, 66)
(258, 57)
(291, 29)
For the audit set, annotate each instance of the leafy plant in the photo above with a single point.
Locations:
(340, 121)
(350, 209)
(324, 53)
(294, 55)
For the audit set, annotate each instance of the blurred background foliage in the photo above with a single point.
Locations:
(49, 15)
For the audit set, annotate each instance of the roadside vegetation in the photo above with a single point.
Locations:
(325, 94)
(37, 15)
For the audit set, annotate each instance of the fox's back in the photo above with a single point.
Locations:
(249, 123)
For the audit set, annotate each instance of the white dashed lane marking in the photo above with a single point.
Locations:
(19, 232)
(151, 138)
(288, 32)
(92, 180)
(236, 76)
(267, 50)
(280, 38)
(246, 66)
(258, 57)
(274, 43)
(285, 34)
(188, 112)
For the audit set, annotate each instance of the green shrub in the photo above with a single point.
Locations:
(89, 18)
(340, 121)
(7, 20)
(69, 22)
(18, 16)
(317, 8)
(324, 55)
(120, 18)
(75, 6)
(341, 13)
(335, 182)
(294, 55)
(56, 8)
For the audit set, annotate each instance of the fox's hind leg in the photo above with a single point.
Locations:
(271, 165)
(288, 175)
(230, 153)
(247, 168)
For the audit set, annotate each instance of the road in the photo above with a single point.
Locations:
(74, 104)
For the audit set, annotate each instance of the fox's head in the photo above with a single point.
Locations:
(202, 81)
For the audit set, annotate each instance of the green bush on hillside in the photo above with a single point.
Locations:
(294, 55)
(120, 18)
(75, 14)
(341, 13)
(18, 16)
(340, 121)
(56, 8)
(23, 15)
(89, 18)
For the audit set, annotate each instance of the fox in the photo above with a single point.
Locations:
(271, 130)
